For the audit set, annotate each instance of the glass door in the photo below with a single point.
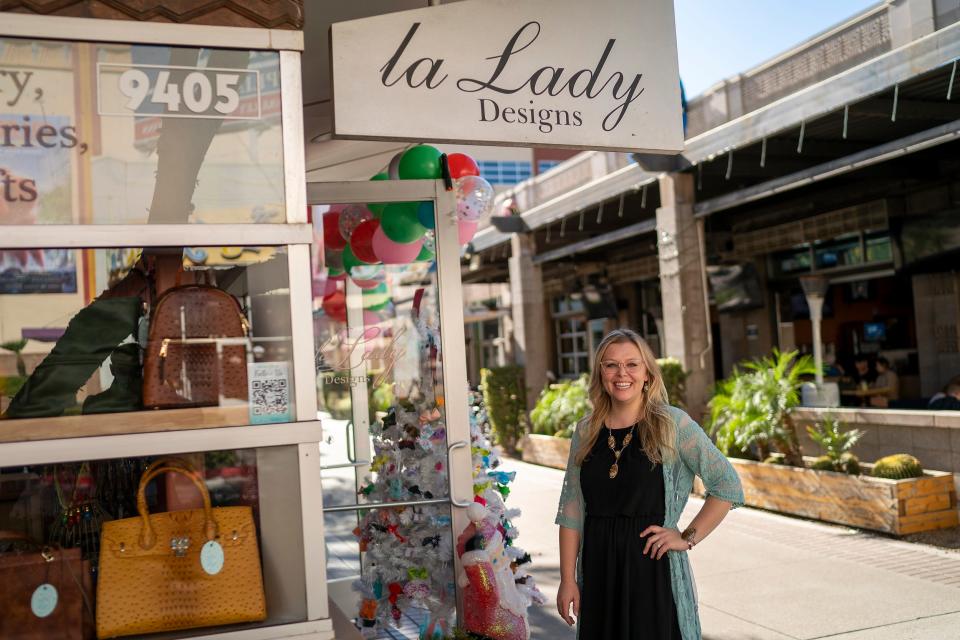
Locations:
(392, 392)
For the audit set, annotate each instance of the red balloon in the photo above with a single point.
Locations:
(335, 306)
(461, 164)
(361, 242)
(331, 231)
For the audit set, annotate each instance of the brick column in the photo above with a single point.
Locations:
(685, 319)
(527, 315)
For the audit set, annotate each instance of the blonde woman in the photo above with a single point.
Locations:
(624, 571)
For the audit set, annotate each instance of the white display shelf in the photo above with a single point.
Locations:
(17, 454)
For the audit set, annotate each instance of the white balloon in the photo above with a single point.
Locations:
(474, 198)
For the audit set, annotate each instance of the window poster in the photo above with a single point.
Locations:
(38, 271)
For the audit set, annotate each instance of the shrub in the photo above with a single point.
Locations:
(836, 443)
(675, 380)
(560, 406)
(505, 396)
(897, 467)
(752, 407)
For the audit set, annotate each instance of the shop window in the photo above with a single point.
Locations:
(167, 135)
(202, 334)
(73, 529)
(843, 252)
(879, 248)
(491, 344)
(793, 261)
(573, 346)
(851, 250)
(567, 304)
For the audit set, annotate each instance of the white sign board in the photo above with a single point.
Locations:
(597, 74)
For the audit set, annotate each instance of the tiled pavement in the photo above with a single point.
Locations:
(760, 576)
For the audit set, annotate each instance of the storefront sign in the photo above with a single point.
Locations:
(599, 75)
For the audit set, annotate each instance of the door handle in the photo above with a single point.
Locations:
(463, 504)
(351, 454)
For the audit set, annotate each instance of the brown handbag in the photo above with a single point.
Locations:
(182, 366)
(42, 572)
(158, 573)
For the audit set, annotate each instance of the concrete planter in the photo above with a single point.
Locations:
(549, 451)
(892, 506)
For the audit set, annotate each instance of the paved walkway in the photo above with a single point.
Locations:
(762, 576)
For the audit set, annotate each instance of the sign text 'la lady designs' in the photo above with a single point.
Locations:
(598, 75)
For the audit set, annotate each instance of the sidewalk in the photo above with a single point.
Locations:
(762, 576)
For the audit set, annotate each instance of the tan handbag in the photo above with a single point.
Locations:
(179, 569)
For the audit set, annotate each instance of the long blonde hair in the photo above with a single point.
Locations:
(657, 432)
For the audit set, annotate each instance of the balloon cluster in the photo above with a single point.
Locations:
(359, 239)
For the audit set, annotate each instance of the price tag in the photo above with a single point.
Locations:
(211, 557)
(44, 600)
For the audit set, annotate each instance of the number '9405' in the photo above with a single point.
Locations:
(194, 93)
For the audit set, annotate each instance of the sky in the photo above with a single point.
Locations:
(717, 39)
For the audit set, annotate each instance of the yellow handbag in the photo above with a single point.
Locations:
(179, 569)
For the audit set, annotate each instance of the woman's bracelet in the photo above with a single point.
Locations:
(689, 536)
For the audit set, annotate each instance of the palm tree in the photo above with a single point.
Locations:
(752, 406)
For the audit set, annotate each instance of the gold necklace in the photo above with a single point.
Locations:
(612, 443)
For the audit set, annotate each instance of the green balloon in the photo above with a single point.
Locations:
(377, 207)
(425, 255)
(420, 162)
(399, 222)
(377, 298)
(349, 260)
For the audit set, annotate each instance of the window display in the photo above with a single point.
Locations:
(207, 343)
(134, 545)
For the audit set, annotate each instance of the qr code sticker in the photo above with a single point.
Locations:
(269, 392)
(270, 397)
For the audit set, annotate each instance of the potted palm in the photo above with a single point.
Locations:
(751, 409)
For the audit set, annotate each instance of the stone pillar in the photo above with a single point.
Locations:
(910, 20)
(686, 320)
(527, 315)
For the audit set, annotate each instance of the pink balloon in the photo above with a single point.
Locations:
(329, 287)
(391, 252)
(366, 284)
(466, 230)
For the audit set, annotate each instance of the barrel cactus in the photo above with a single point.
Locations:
(850, 463)
(897, 467)
(823, 463)
(775, 458)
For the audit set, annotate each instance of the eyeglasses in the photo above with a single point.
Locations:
(611, 367)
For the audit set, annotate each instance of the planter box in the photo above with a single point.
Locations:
(549, 451)
(892, 506)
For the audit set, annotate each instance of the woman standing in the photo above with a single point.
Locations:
(623, 563)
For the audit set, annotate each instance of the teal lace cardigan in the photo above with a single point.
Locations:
(698, 457)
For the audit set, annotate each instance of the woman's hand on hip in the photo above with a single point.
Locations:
(568, 594)
(661, 540)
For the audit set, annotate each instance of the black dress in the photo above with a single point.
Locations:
(626, 595)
